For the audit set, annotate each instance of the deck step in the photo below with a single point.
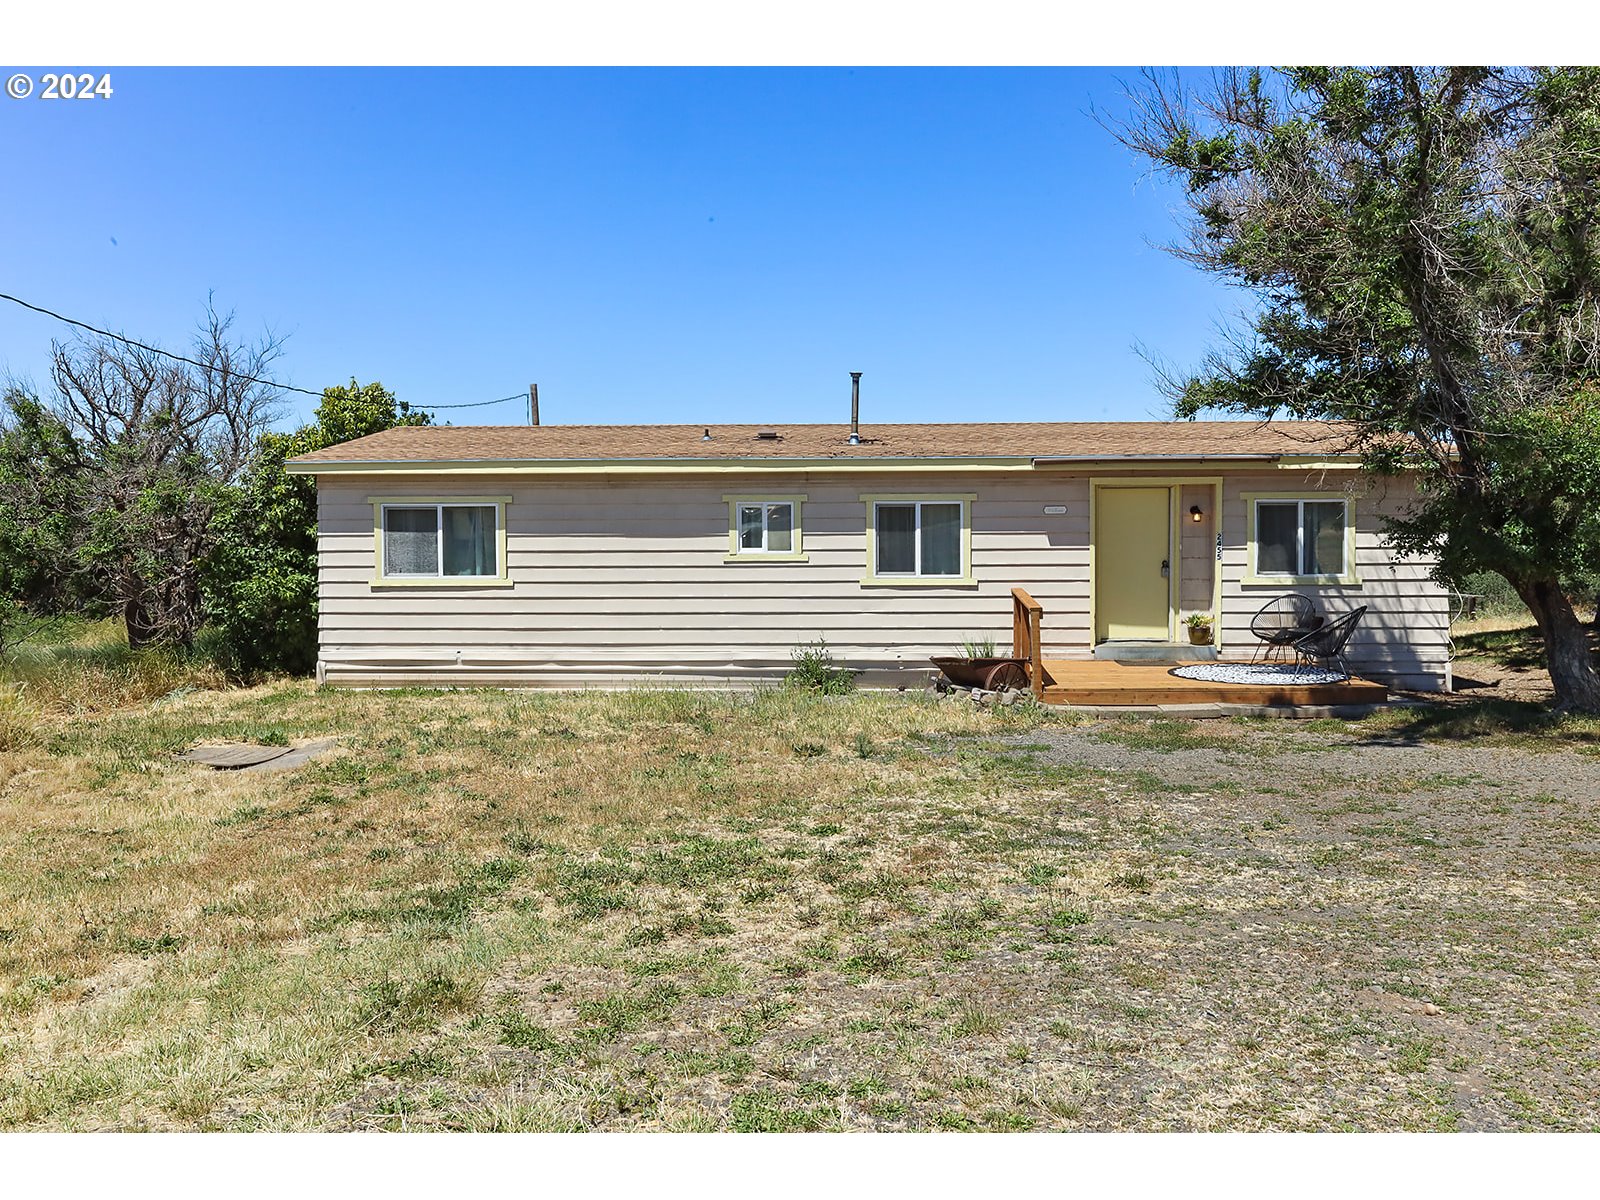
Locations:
(1150, 683)
(1158, 652)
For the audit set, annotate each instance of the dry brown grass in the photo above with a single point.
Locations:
(87, 667)
(669, 910)
(17, 722)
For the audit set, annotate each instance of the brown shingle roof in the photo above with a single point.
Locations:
(1021, 439)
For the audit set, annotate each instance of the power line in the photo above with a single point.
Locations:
(271, 383)
(475, 403)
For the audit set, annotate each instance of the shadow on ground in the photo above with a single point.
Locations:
(1513, 720)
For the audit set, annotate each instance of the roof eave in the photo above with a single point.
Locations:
(656, 464)
(1044, 460)
(746, 464)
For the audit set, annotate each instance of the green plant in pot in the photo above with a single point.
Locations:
(978, 665)
(1200, 626)
(977, 647)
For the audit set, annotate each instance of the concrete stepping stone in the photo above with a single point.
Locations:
(245, 756)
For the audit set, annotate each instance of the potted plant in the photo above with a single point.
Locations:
(979, 666)
(1200, 625)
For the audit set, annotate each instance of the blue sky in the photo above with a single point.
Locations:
(649, 245)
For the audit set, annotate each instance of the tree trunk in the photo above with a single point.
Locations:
(140, 631)
(1566, 645)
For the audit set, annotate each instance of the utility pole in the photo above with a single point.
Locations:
(533, 404)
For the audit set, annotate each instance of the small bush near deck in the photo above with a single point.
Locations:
(815, 671)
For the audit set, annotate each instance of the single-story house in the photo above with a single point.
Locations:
(568, 555)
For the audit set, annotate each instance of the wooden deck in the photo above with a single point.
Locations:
(1103, 681)
(1098, 681)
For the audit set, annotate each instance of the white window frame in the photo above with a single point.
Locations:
(383, 578)
(875, 577)
(1253, 573)
(738, 553)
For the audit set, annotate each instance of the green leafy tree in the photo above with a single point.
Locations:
(40, 497)
(108, 486)
(260, 580)
(1424, 250)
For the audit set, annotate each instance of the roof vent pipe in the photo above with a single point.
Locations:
(855, 408)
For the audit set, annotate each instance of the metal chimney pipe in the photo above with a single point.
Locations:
(855, 408)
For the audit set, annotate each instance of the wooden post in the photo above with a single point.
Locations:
(1027, 618)
(533, 404)
(1036, 659)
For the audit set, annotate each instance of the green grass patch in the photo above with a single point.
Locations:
(1161, 734)
(1522, 724)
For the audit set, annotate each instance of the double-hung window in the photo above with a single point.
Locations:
(919, 539)
(764, 528)
(1301, 538)
(440, 541)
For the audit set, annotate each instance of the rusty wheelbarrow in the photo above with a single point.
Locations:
(991, 674)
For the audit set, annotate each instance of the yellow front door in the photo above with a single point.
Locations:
(1131, 543)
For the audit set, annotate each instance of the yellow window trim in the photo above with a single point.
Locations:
(756, 557)
(873, 579)
(1350, 578)
(944, 581)
(441, 581)
(380, 580)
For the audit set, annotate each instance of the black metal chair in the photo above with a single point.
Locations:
(1282, 622)
(1325, 646)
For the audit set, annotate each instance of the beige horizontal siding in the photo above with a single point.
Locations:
(1404, 635)
(616, 582)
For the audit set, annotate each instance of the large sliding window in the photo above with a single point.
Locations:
(440, 541)
(1301, 538)
(919, 539)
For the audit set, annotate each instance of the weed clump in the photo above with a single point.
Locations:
(816, 671)
(390, 1004)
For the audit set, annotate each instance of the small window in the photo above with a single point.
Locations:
(1299, 538)
(764, 528)
(432, 541)
(919, 538)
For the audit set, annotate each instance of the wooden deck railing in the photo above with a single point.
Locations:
(1027, 614)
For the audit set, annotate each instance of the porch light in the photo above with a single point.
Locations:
(1195, 514)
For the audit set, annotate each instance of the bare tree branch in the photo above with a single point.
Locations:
(156, 438)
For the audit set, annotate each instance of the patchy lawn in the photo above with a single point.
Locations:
(682, 911)
(1502, 658)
